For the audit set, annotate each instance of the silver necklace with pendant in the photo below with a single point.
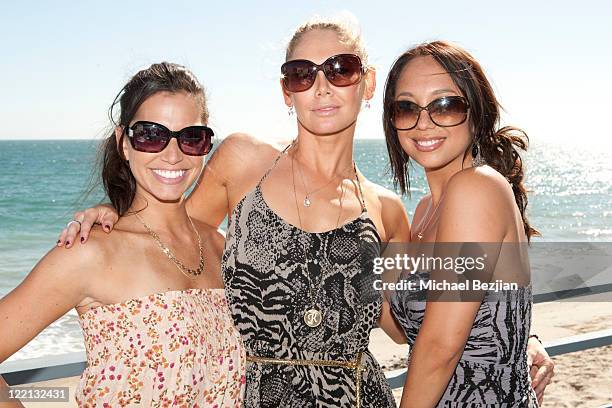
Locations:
(307, 203)
(313, 317)
(420, 234)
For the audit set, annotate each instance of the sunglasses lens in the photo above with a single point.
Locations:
(405, 114)
(149, 138)
(343, 70)
(298, 75)
(448, 111)
(445, 112)
(196, 140)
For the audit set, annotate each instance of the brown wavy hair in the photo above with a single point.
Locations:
(119, 183)
(499, 147)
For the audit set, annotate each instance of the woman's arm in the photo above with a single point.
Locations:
(233, 170)
(470, 212)
(397, 225)
(4, 396)
(52, 288)
(209, 201)
(541, 367)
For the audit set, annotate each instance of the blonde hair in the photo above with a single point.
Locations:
(348, 33)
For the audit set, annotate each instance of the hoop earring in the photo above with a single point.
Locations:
(290, 111)
(477, 159)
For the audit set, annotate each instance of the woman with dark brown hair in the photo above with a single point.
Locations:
(440, 111)
(150, 299)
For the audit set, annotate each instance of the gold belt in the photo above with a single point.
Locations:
(354, 365)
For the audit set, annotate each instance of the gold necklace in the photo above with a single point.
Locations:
(188, 272)
(313, 316)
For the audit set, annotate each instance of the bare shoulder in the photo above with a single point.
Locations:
(79, 262)
(392, 211)
(242, 145)
(237, 149)
(482, 185)
(478, 206)
(389, 200)
(240, 140)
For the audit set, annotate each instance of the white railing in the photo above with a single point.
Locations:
(564, 345)
(73, 364)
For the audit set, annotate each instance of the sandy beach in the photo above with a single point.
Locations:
(582, 379)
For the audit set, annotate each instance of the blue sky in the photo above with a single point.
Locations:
(63, 62)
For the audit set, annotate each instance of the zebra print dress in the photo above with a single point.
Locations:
(493, 369)
(264, 269)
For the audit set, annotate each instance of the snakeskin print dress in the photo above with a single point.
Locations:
(266, 267)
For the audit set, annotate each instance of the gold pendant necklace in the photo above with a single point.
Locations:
(188, 272)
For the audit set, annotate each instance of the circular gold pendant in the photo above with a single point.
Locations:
(313, 317)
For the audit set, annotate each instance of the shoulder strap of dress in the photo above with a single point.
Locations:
(275, 162)
(361, 196)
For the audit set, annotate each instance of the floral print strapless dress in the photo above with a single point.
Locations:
(177, 348)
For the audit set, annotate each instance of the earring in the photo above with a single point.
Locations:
(290, 111)
(477, 159)
(367, 104)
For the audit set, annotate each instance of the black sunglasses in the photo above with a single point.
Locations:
(445, 112)
(340, 70)
(151, 137)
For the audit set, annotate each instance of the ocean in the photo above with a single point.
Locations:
(43, 182)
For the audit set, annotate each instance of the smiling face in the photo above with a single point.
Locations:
(325, 109)
(422, 81)
(168, 174)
